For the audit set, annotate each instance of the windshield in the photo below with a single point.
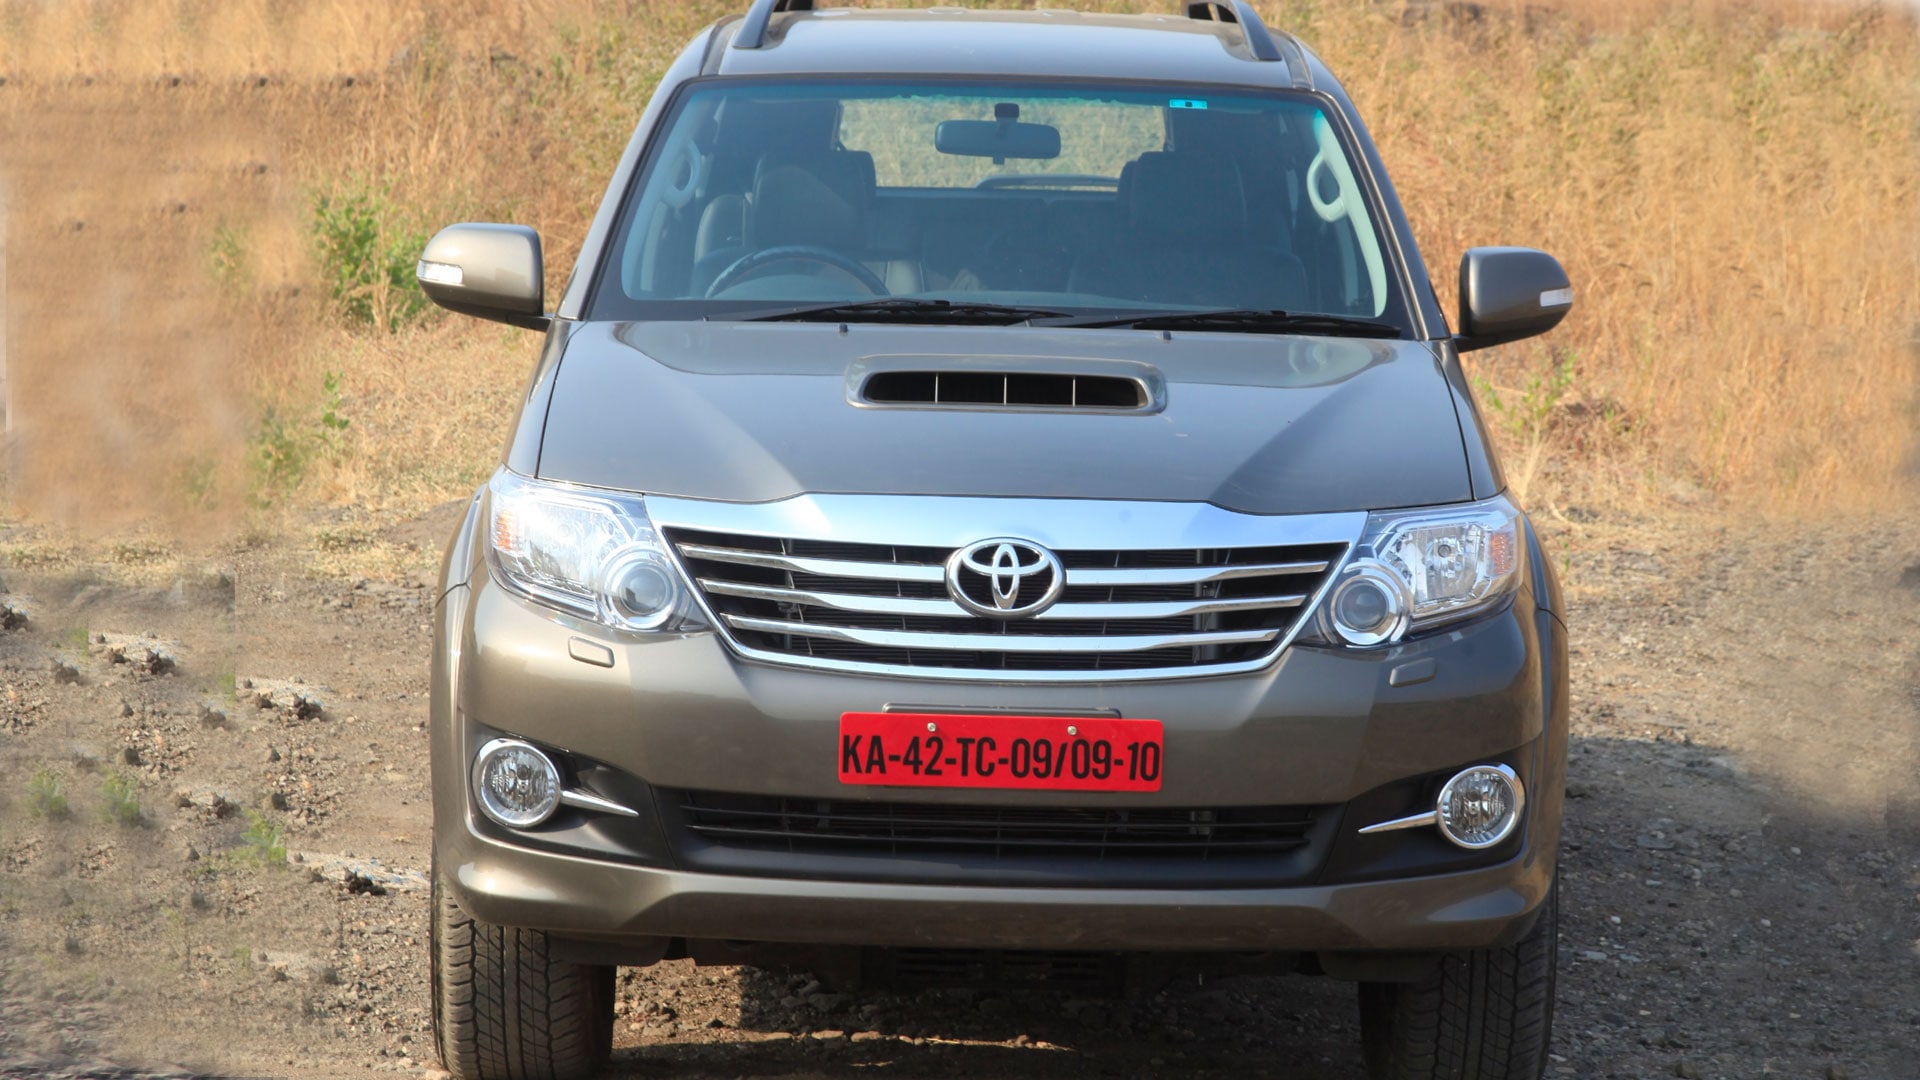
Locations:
(1068, 199)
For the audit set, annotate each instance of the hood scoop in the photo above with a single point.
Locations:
(1022, 385)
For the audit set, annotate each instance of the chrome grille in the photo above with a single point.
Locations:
(882, 607)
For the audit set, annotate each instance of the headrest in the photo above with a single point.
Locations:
(1186, 198)
(818, 200)
(748, 128)
(848, 172)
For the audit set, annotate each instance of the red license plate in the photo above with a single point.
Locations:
(1047, 753)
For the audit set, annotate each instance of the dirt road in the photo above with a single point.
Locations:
(1742, 865)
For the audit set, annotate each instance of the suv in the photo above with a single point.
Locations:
(998, 496)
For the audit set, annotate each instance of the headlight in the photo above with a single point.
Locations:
(1418, 569)
(590, 553)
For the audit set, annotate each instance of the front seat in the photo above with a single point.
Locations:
(820, 200)
(1188, 241)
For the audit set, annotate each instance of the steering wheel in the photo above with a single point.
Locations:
(747, 264)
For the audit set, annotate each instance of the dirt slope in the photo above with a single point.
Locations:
(1742, 864)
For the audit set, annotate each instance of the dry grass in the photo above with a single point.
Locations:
(1735, 191)
(1733, 188)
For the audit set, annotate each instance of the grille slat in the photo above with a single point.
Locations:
(886, 570)
(898, 605)
(1183, 575)
(853, 827)
(886, 608)
(1030, 643)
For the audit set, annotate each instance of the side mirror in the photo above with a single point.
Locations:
(1509, 293)
(487, 271)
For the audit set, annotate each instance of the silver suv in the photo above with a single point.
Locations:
(998, 487)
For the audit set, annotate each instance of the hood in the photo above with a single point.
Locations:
(754, 412)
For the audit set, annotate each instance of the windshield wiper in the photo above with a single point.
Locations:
(902, 309)
(1245, 320)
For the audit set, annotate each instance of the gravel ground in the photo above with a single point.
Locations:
(1741, 869)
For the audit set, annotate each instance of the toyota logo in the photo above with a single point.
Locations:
(1005, 579)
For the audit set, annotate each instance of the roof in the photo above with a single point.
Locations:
(961, 41)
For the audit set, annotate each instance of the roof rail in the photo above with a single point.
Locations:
(753, 30)
(1259, 42)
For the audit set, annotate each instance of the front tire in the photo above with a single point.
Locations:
(505, 1009)
(1482, 1015)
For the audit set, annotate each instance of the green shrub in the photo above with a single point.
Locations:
(122, 795)
(227, 258)
(47, 793)
(278, 454)
(332, 423)
(282, 449)
(367, 256)
(263, 841)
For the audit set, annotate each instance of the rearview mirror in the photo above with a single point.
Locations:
(487, 271)
(996, 139)
(1509, 293)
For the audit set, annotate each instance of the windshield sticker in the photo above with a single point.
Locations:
(1186, 103)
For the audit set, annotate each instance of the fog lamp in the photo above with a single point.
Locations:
(517, 785)
(1480, 806)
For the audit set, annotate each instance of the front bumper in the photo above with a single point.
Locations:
(511, 886)
(1319, 727)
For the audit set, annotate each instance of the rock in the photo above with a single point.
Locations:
(211, 717)
(63, 672)
(213, 804)
(273, 754)
(12, 616)
(277, 800)
(131, 755)
(829, 1033)
(291, 699)
(358, 884)
(1836, 1071)
(1687, 1070)
(867, 1036)
(147, 655)
(343, 868)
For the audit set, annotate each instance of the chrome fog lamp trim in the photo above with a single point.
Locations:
(489, 805)
(1436, 818)
(1415, 821)
(1512, 782)
(582, 800)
